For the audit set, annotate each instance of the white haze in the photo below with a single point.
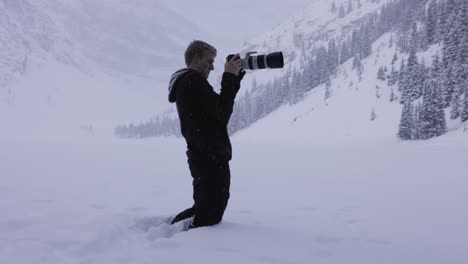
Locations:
(315, 182)
(237, 21)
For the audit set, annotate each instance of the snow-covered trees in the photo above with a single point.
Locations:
(156, 126)
(455, 54)
(432, 114)
(413, 78)
(381, 73)
(445, 22)
(341, 12)
(393, 76)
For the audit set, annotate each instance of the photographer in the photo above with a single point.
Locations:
(204, 116)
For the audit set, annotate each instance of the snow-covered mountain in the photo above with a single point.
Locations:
(27, 32)
(310, 28)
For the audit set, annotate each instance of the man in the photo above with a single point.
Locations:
(204, 116)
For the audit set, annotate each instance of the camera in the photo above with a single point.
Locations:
(271, 61)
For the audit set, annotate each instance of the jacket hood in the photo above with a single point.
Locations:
(172, 83)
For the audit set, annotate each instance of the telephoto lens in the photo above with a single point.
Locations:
(269, 61)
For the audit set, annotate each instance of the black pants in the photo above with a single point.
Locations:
(211, 182)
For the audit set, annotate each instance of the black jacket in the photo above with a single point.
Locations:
(204, 114)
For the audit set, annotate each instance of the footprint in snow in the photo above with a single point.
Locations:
(160, 227)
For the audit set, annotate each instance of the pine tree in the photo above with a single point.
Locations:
(431, 23)
(451, 42)
(381, 74)
(415, 38)
(333, 57)
(391, 41)
(395, 58)
(373, 115)
(449, 84)
(247, 109)
(402, 83)
(357, 65)
(436, 70)
(464, 114)
(345, 53)
(393, 97)
(365, 42)
(406, 122)
(462, 60)
(268, 97)
(341, 12)
(456, 102)
(295, 91)
(457, 54)
(433, 121)
(450, 35)
(284, 84)
(450, 47)
(440, 123)
(414, 78)
(432, 113)
(350, 7)
(333, 7)
(443, 17)
(393, 77)
(327, 91)
(254, 85)
(416, 132)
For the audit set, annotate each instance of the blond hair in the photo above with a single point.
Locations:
(197, 48)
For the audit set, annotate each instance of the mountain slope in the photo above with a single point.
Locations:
(360, 98)
(346, 115)
(310, 28)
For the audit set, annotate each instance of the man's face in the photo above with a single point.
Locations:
(205, 64)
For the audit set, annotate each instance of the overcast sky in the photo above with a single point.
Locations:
(236, 20)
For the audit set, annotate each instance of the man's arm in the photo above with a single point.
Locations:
(230, 85)
(229, 89)
(198, 98)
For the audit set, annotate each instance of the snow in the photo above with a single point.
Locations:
(82, 202)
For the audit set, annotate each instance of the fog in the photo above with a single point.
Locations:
(236, 21)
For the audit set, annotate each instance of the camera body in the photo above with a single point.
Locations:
(271, 61)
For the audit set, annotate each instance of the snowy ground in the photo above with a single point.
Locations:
(86, 202)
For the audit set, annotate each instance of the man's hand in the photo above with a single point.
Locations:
(234, 65)
(241, 75)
